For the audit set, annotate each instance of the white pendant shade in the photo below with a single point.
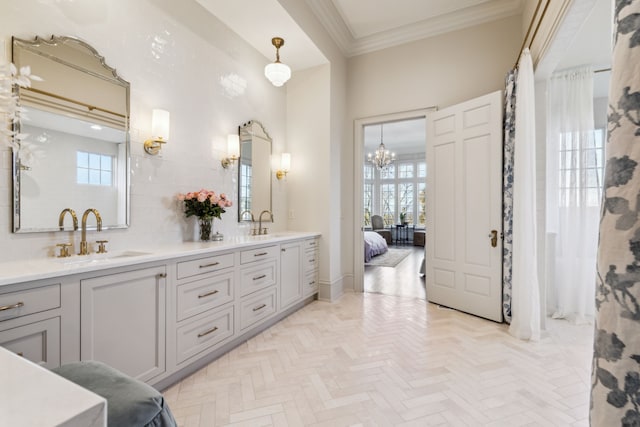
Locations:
(277, 73)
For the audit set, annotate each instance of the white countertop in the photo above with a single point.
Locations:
(32, 396)
(44, 268)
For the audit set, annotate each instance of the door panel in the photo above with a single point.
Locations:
(464, 201)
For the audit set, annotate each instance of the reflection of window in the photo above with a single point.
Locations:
(245, 188)
(581, 169)
(94, 168)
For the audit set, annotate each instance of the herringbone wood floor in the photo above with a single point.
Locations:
(379, 360)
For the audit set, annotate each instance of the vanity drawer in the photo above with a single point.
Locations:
(310, 244)
(310, 284)
(257, 307)
(257, 277)
(260, 254)
(38, 342)
(310, 260)
(204, 265)
(203, 294)
(203, 332)
(29, 301)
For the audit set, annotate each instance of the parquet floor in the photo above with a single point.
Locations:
(401, 280)
(379, 360)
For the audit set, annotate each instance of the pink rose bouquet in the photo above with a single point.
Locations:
(204, 203)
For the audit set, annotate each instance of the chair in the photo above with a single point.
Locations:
(129, 401)
(378, 226)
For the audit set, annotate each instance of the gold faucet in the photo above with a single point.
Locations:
(83, 243)
(253, 220)
(260, 230)
(73, 217)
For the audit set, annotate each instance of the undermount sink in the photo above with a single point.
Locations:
(100, 258)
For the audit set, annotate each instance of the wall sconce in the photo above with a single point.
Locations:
(159, 132)
(285, 165)
(233, 151)
(277, 72)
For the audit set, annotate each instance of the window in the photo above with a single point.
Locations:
(94, 168)
(388, 193)
(581, 169)
(245, 188)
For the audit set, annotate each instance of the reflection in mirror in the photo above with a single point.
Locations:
(77, 121)
(254, 171)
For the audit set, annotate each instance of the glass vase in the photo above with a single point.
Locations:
(205, 223)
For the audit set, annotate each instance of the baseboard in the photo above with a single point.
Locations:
(331, 291)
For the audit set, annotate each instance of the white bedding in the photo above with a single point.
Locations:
(374, 244)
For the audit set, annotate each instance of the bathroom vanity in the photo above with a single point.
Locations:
(159, 314)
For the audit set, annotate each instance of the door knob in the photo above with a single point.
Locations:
(494, 238)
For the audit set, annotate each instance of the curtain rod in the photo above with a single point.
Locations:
(535, 32)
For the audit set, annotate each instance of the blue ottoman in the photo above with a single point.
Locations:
(130, 403)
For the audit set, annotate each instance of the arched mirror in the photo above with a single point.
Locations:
(254, 171)
(76, 154)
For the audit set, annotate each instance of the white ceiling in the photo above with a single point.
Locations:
(400, 137)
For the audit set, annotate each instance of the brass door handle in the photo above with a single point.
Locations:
(494, 238)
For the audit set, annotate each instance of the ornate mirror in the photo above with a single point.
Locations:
(76, 154)
(254, 170)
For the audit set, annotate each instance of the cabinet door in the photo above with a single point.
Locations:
(290, 276)
(37, 341)
(122, 321)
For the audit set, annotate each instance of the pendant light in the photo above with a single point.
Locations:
(277, 72)
(382, 157)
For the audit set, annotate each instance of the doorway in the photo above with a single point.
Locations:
(396, 194)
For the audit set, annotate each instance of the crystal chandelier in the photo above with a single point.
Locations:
(382, 157)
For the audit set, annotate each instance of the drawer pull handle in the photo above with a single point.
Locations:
(20, 354)
(208, 294)
(161, 275)
(261, 254)
(312, 283)
(312, 260)
(260, 307)
(210, 331)
(260, 277)
(213, 264)
(12, 306)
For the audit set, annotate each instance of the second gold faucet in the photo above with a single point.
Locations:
(84, 250)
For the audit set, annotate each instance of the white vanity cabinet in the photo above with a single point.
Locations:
(161, 317)
(204, 295)
(290, 274)
(30, 321)
(122, 321)
(310, 264)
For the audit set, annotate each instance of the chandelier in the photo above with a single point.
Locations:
(382, 157)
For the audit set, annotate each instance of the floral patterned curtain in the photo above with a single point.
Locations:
(615, 393)
(507, 190)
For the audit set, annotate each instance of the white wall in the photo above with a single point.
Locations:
(440, 71)
(172, 66)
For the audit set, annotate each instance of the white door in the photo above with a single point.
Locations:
(464, 207)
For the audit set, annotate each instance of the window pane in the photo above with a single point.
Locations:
(83, 176)
(388, 194)
(422, 170)
(405, 197)
(105, 178)
(421, 204)
(82, 159)
(105, 163)
(368, 171)
(94, 177)
(405, 170)
(389, 172)
(94, 161)
(368, 203)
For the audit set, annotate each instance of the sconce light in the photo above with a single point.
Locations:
(285, 166)
(159, 132)
(233, 151)
(277, 72)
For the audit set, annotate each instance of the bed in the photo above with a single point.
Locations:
(374, 244)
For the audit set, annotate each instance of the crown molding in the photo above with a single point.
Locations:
(331, 19)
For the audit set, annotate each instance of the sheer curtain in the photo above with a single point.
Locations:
(525, 293)
(574, 181)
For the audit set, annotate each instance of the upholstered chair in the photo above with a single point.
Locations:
(378, 226)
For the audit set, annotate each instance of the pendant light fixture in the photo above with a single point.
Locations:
(277, 72)
(382, 157)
